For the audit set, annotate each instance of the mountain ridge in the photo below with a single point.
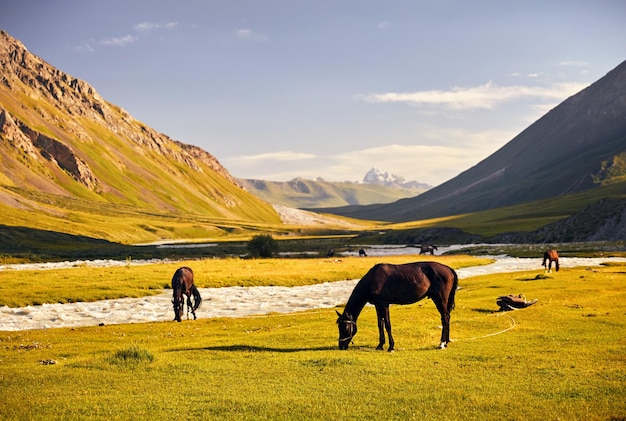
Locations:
(577, 146)
(377, 187)
(58, 136)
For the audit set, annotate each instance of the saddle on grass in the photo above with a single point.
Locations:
(513, 302)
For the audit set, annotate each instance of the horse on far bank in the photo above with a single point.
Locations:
(428, 248)
(407, 283)
(182, 284)
(550, 256)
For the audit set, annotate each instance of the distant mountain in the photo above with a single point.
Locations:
(384, 178)
(66, 152)
(578, 146)
(377, 187)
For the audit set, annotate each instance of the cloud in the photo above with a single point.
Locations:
(143, 27)
(149, 26)
(573, 63)
(485, 96)
(276, 156)
(119, 41)
(84, 48)
(250, 35)
(442, 154)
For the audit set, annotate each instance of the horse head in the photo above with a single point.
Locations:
(347, 329)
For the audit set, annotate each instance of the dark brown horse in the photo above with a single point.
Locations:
(428, 248)
(182, 284)
(550, 256)
(386, 284)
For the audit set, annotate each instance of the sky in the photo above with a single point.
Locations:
(279, 89)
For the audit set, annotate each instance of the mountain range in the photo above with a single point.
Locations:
(377, 187)
(74, 163)
(579, 146)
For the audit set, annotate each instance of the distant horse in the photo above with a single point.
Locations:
(330, 253)
(551, 256)
(408, 283)
(428, 249)
(182, 284)
(362, 253)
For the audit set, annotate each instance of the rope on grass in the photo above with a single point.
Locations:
(513, 324)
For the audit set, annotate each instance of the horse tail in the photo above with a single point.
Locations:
(546, 256)
(197, 299)
(556, 262)
(455, 285)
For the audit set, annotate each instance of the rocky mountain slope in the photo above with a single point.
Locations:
(578, 146)
(61, 142)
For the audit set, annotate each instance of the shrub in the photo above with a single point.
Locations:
(263, 246)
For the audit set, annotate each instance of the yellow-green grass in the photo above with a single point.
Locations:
(562, 358)
(19, 288)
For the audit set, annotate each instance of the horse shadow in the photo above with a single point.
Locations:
(253, 348)
(484, 310)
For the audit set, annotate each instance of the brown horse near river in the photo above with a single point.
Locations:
(428, 248)
(182, 284)
(550, 256)
(386, 284)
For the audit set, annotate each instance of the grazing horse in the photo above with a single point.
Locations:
(428, 249)
(550, 256)
(408, 283)
(182, 284)
(362, 253)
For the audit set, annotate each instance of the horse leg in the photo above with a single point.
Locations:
(177, 305)
(190, 306)
(382, 311)
(381, 325)
(445, 322)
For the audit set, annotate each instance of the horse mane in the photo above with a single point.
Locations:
(358, 298)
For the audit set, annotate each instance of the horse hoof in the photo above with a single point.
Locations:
(379, 348)
(391, 350)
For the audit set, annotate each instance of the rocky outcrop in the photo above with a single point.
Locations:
(208, 160)
(37, 146)
(604, 220)
(17, 140)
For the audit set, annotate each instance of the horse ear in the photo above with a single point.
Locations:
(337, 313)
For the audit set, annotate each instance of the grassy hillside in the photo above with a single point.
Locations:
(75, 163)
(524, 217)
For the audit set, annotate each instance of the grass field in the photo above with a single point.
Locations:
(562, 358)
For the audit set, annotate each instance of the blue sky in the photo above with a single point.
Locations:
(284, 89)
